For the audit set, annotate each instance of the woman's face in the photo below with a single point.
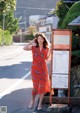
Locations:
(40, 40)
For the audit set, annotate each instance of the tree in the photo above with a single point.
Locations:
(11, 23)
(61, 10)
(32, 30)
(7, 15)
(73, 13)
(7, 5)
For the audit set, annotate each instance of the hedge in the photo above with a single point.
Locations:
(7, 40)
(1, 36)
(28, 37)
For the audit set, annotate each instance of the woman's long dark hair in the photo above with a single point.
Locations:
(45, 43)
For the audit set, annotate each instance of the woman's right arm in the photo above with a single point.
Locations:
(28, 47)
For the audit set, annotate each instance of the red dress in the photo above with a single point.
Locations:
(39, 71)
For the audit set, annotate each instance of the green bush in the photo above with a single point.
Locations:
(75, 58)
(76, 53)
(7, 38)
(29, 37)
(0, 36)
(75, 43)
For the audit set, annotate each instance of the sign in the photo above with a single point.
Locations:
(61, 60)
(60, 69)
(42, 29)
(61, 81)
(62, 39)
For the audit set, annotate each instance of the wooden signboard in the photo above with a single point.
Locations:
(61, 60)
(60, 69)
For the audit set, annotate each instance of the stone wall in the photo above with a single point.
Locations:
(75, 80)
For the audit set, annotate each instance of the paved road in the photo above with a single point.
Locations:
(15, 79)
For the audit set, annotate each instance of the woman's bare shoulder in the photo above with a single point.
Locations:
(47, 47)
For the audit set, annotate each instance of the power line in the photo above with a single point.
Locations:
(34, 8)
(19, 12)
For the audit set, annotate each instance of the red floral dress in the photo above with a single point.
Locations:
(39, 71)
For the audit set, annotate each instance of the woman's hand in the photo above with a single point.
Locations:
(33, 41)
(29, 46)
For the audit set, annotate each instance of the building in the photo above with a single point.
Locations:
(46, 24)
(27, 8)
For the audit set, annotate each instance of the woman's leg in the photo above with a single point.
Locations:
(32, 101)
(40, 101)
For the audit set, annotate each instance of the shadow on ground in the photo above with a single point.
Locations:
(15, 71)
(18, 101)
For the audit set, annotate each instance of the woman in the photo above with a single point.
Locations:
(39, 71)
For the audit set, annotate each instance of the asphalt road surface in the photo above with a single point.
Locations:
(15, 80)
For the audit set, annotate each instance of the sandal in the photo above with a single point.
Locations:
(39, 108)
(31, 105)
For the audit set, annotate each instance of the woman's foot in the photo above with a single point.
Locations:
(39, 107)
(31, 105)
